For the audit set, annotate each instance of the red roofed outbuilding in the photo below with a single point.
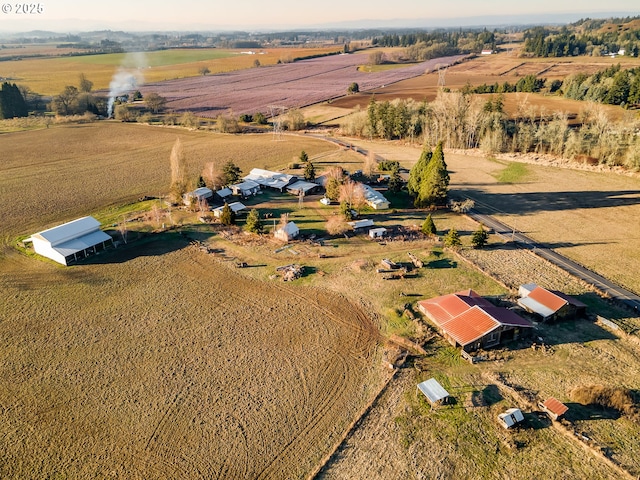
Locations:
(554, 408)
(470, 321)
(550, 305)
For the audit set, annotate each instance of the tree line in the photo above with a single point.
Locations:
(585, 37)
(466, 121)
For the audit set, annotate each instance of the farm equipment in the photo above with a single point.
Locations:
(415, 260)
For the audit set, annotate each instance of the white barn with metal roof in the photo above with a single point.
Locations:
(70, 241)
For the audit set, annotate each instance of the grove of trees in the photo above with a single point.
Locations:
(12, 103)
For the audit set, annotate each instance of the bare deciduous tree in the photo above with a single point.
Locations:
(370, 164)
(178, 172)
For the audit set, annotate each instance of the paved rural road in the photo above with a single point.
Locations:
(625, 296)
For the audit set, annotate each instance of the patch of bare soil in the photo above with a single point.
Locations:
(173, 365)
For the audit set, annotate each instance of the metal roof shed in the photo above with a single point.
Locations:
(70, 241)
(511, 417)
(434, 392)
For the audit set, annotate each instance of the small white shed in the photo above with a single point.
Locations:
(286, 233)
(434, 392)
(377, 232)
(511, 417)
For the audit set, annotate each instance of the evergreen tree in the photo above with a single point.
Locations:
(428, 227)
(332, 189)
(417, 173)
(254, 224)
(480, 237)
(309, 171)
(304, 158)
(201, 182)
(452, 239)
(12, 103)
(395, 182)
(231, 173)
(435, 185)
(227, 217)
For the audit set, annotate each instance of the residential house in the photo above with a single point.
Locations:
(268, 179)
(245, 189)
(202, 193)
(470, 321)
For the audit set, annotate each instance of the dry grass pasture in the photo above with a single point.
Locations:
(165, 363)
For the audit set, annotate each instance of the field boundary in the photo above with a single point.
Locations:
(349, 431)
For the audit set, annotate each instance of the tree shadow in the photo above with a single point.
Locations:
(442, 263)
(578, 411)
(533, 202)
(572, 331)
(536, 420)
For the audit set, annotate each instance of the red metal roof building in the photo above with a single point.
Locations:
(550, 304)
(468, 320)
(554, 408)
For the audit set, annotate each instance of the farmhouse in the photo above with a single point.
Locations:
(375, 199)
(202, 193)
(72, 241)
(435, 393)
(549, 305)
(245, 189)
(470, 321)
(235, 208)
(266, 178)
(287, 232)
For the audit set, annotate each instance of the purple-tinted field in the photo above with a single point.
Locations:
(290, 85)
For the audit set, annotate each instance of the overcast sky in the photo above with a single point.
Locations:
(78, 15)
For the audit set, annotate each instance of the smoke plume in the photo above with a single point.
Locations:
(127, 78)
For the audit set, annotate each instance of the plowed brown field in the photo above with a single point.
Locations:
(172, 365)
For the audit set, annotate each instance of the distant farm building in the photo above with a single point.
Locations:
(287, 232)
(224, 193)
(236, 207)
(268, 179)
(435, 393)
(511, 418)
(377, 232)
(470, 321)
(72, 241)
(487, 51)
(245, 189)
(202, 193)
(554, 408)
(549, 305)
(302, 188)
(360, 224)
(375, 199)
